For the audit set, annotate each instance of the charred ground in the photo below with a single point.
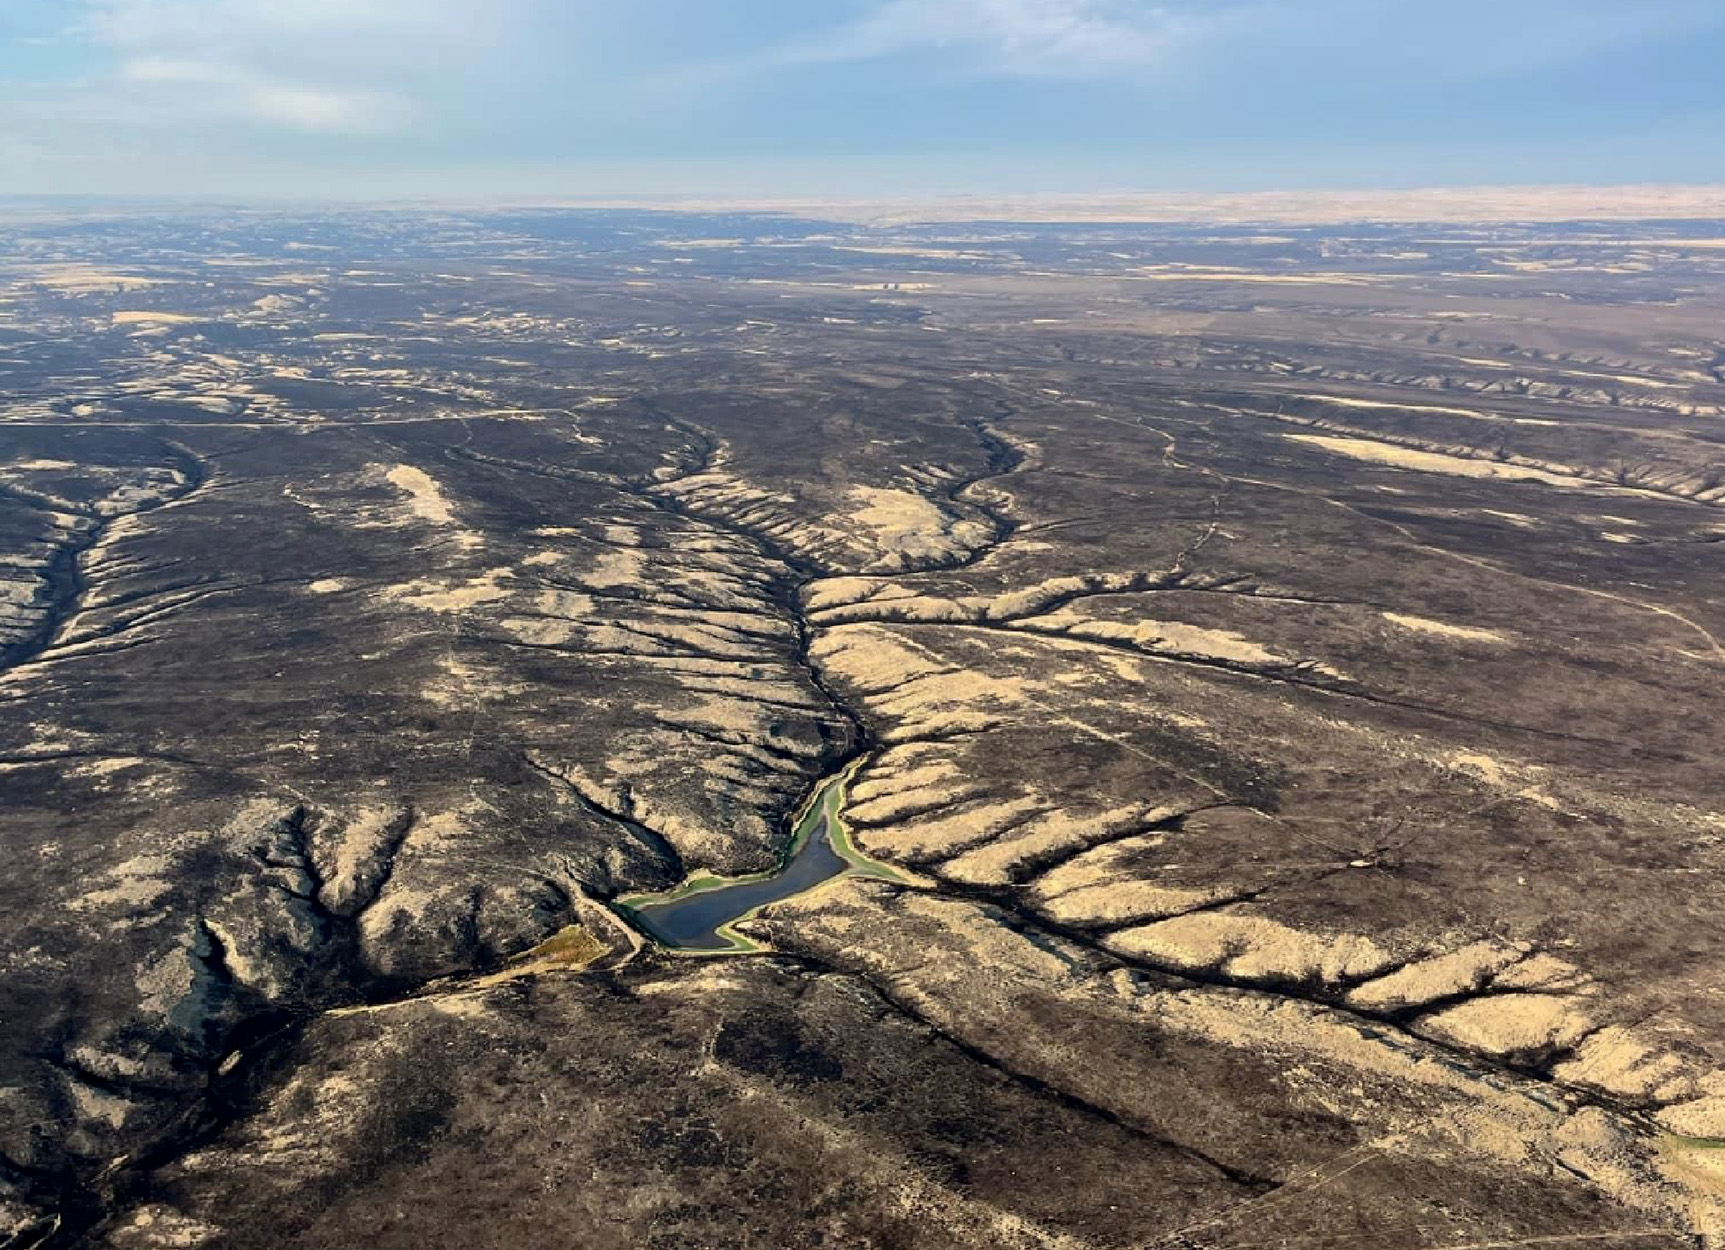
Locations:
(1285, 661)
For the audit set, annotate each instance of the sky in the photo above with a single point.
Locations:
(429, 99)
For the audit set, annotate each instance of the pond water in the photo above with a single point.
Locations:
(697, 915)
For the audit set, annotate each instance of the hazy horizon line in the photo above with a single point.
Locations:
(1478, 202)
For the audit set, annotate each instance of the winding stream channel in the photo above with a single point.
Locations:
(698, 916)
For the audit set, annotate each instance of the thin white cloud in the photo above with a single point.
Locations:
(1090, 38)
(1028, 37)
(213, 89)
(360, 67)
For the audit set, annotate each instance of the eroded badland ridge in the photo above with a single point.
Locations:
(1275, 668)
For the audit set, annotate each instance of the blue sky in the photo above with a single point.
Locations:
(428, 98)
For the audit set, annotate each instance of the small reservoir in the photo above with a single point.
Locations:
(698, 915)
